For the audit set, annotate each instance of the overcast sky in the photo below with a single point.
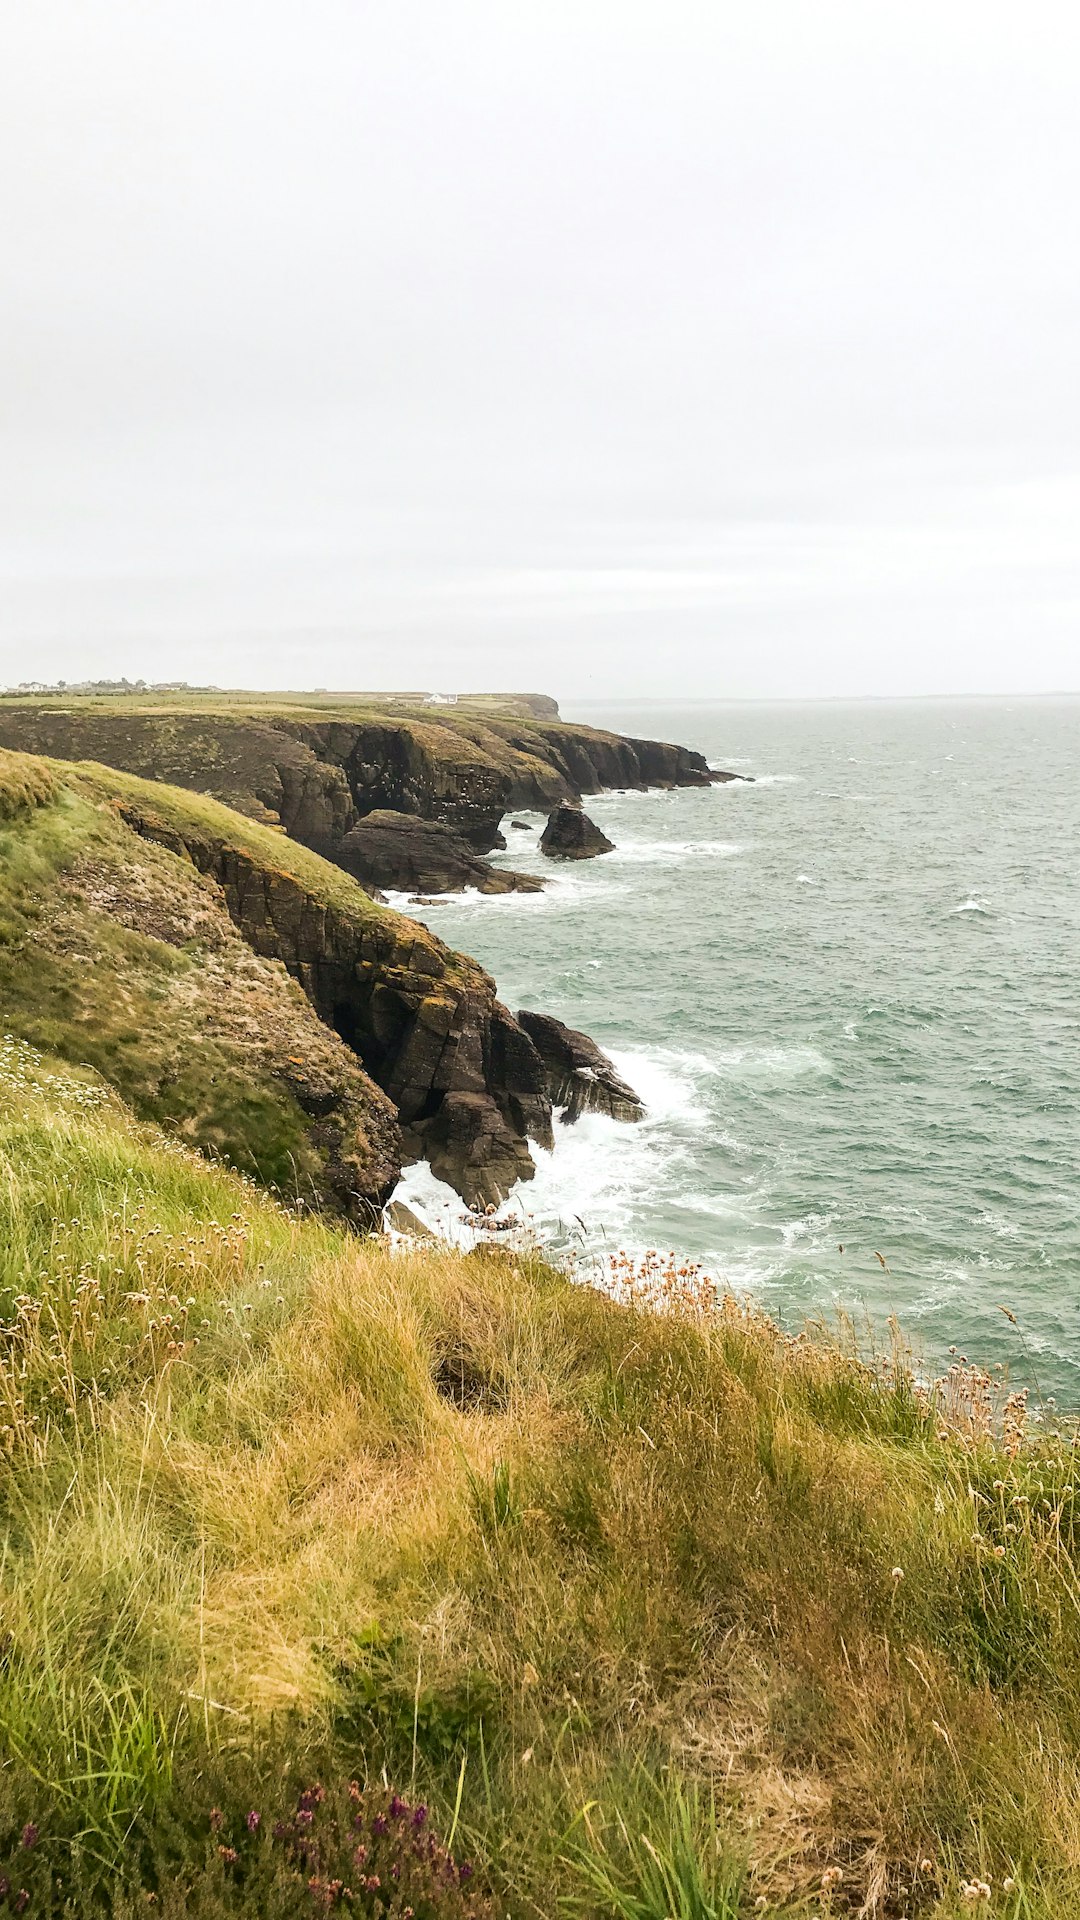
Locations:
(597, 346)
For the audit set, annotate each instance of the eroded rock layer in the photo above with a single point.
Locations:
(405, 853)
(580, 1077)
(316, 768)
(468, 1085)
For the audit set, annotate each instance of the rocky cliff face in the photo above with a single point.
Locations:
(317, 772)
(469, 1087)
(580, 1077)
(118, 954)
(405, 853)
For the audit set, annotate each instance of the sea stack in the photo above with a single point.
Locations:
(571, 835)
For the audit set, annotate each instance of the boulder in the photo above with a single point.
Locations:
(521, 826)
(571, 835)
(580, 1077)
(398, 1217)
(471, 1145)
(412, 855)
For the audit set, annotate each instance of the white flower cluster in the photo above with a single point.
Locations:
(23, 1072)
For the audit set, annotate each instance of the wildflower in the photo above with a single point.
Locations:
(465, 1872)
(253, 1821)
(1008, 1884)
(898, 1574)
(831, 1878)
(229, 1855)
(398, 1807)
(22, 1900)
(217, 1819)
(999, 1553)
(372, 1883)
(379, 1824)
(359, 1858)
(304, 1817)
(926, 1866)
(5, 1886)
(29, 1835)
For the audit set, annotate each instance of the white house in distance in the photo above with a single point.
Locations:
(441, 700)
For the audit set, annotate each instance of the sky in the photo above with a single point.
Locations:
(603, 347)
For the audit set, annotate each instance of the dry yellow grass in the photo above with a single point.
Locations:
(456, 1517)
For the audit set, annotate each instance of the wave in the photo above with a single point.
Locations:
(753, 1062)
(971, 905)
(673, 853)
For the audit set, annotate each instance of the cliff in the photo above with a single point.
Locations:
(238, 986)
(317, 765)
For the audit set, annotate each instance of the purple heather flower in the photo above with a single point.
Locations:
(305, 1817)
(372, 1883)
(253, 1821)
(419, 1816)
(379, 1824)
(281, 1829)
(29, 1834)
(465, 1871)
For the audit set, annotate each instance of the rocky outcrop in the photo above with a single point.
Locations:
(571, 835)
(123, 958)
(315, 766)
(403, 852)
(468, 1085)
(580, 1077)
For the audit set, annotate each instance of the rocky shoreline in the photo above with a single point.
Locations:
(297, 819)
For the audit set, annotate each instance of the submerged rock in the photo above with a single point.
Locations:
(521, 826)
(580, 1077)
(571, 835)
(402, 851)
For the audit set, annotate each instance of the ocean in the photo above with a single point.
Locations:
(849, 995)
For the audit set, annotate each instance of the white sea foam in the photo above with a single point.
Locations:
(586, 1191)
(806, 880)
(972, 905)
(754, 1063)
(671, 853)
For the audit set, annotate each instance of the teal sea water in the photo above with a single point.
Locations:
(850, 995)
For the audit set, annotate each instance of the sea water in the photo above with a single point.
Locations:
(849, 995)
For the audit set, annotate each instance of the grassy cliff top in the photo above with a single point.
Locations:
(117, 953)
(286, 701)
(657, 1610)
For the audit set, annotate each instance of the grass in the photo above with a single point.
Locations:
(662, 1612)
(115, 954)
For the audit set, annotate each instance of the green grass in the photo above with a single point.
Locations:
(114, 955)
(662, 1612)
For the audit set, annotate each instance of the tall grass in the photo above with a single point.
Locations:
(662, 1611)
